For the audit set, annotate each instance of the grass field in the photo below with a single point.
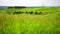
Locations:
(46, 23)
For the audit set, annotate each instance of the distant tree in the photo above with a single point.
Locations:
(18, 12)
(36, 13)
(11, 7)
(40, 12)
(17, 7)
(20, 7)
(29, 12)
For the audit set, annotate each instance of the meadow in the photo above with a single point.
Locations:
(48, 22)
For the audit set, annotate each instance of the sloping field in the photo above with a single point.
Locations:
(46, 23)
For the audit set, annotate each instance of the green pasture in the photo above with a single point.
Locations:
(46, 23)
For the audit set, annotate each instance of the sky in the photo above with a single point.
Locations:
(29, 2)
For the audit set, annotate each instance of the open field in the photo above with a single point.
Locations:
(48, 22)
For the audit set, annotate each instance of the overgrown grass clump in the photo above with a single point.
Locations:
(49, 23)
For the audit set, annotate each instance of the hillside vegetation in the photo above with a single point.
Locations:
(48, 22)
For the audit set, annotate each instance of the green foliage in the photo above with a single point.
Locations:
(46, 23)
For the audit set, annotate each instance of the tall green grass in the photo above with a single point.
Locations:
(49, 23)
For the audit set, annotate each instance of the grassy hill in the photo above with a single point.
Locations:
(46, 23)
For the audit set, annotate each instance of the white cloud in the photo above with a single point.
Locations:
(29, 2)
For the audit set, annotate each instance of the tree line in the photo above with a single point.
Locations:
(27, 12)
